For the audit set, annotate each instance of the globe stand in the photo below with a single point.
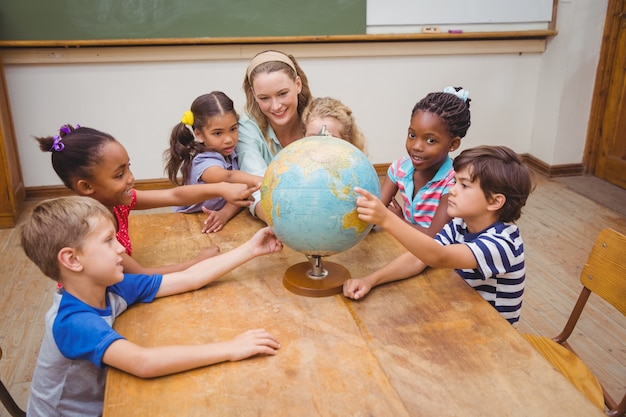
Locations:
(312, 279)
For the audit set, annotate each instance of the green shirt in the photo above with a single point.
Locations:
(253, 150)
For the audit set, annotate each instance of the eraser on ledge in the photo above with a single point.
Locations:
(430, 29)
(455, 31)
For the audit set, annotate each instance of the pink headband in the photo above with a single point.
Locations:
(269, 56)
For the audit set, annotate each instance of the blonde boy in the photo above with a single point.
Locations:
(72, 240)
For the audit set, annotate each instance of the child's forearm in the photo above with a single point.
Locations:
(428, 250)
(179, 196)
(192, 194)
(258, 210)
(404, 266)
(131, 266)
(388, 191)
(165, 360)
(215, 174)
(418, 243)
(206, 271)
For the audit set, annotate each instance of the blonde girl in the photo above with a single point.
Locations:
(338, 119)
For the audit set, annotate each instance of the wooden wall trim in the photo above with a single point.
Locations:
(105, 55)
(391, 37)
(551, 171)
(51, 191)
(381, 169)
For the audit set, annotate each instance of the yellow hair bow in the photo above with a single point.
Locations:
(187, 118)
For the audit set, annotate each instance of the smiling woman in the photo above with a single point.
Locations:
(277, 92)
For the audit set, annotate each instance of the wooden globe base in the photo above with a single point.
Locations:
(298, 281)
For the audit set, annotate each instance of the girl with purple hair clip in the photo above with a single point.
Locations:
(94, 164)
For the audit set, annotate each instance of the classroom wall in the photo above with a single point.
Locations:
(535, 101)
(565, 83)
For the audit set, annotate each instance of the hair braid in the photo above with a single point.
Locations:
(452, 110)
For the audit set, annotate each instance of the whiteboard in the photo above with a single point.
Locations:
(446, 12)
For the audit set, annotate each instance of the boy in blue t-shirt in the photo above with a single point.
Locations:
(72, 240)
(481, 242)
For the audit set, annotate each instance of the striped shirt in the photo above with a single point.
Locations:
(501, 271)
(420, 209)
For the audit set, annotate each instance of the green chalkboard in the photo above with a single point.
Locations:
(46, 20)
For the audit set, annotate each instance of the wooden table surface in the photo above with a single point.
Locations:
(426, 346)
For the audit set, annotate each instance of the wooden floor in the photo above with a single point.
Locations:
(558, 226)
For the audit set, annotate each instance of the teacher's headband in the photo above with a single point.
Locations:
(269, 56)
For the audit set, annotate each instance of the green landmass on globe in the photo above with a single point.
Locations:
(308, 197)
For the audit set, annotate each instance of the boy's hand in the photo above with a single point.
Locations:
(239, 194)
(356, 288)
(265, 241)
(370, 208)
(251, 343)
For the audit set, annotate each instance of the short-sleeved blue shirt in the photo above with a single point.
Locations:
(69, 376)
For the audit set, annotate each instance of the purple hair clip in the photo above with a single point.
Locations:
(57, 145)
(67, 129)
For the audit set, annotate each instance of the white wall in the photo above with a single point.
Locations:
(566, 80)
(534, 102)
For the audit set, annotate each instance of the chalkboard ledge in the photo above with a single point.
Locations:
(413, 37)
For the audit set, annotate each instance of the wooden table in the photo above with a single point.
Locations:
(426, 346)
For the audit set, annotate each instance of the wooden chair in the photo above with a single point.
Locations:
(8, 401)
(605, 275)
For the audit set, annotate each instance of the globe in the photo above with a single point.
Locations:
(308, 198)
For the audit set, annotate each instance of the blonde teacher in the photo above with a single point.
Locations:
(277, 92)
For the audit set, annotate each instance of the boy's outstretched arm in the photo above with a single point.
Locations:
(372, 210)
(131, 266)
(404, 266)
(197, 276)
(165, 360)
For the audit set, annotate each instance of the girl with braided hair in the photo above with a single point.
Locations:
(94, 164)
(425, 175)
(202, 151)
(482, 242)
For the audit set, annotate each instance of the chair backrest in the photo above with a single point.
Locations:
(605, 271)
(7, 400)
(605, 275)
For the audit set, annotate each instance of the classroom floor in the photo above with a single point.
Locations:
(596, 189)
(557, 240)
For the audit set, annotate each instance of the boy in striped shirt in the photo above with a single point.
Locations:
(481, 242)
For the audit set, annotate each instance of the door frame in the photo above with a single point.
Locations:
(604, 78)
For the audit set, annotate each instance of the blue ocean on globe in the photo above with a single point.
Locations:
(308, 198)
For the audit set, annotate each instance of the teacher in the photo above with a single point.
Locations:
(277, 92)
